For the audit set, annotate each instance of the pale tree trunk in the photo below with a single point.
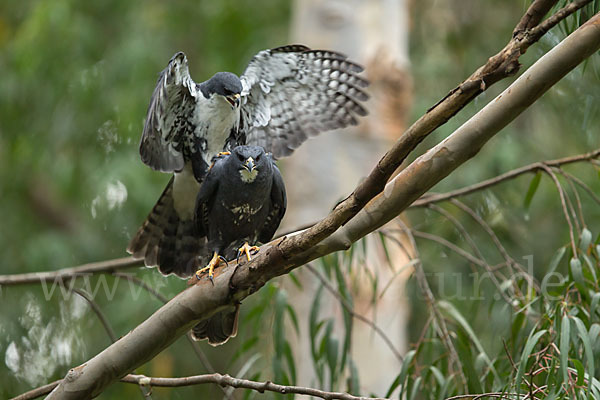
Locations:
(324, 170)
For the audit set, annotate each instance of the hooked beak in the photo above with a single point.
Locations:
(249, 164)
(234, 100)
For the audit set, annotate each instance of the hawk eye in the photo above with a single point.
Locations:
(258, 157)
(241, 157)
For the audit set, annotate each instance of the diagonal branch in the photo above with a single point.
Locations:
(232, 285)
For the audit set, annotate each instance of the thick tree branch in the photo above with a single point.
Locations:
(234, 284)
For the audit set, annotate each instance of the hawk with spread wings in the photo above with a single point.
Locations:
(285, 95)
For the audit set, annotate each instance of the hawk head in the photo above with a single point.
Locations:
(249, 161)
(223, 84)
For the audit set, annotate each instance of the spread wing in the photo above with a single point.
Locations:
(291, 93)
(169, 117)
(277, 206)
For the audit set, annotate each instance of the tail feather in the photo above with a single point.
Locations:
(218, 328)
(166, 241)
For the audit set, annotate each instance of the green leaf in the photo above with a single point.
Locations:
(353, 379)
(589, 355)
(382, 238)
(348, 319)
(402, 375)
(332, 357)
(556, 259)
(437, 374)
(535, 182)
(394, 385)
(577, 272)
(289, 357)
(295, 280)
(565, 334)
(457, 316)
(278, 326)
(594, 335)
(293, 317)
(580, 372)
(594, 305)
(314, 326)
(585, 239)
(415, 388)
(517, 326)
(529, 345)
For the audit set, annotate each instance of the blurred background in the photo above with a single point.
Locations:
(75, 84)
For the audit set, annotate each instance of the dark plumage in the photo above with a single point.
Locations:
(241, 203)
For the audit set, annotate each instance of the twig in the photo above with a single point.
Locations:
(98, 312)
(540, 30)
(564, 207)
(570, 205)
(38, 392)
(581, 184)
(436, 198)
(351, 311)
(73, 272)
(440, 323)
(218, 379)
(534, 15)
(576, 194)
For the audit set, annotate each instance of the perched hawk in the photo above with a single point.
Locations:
(241, 203)
(284, 96)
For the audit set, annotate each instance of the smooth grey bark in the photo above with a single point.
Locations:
(203, 300)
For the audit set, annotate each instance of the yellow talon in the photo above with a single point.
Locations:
(214, 262)
(247, 249)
